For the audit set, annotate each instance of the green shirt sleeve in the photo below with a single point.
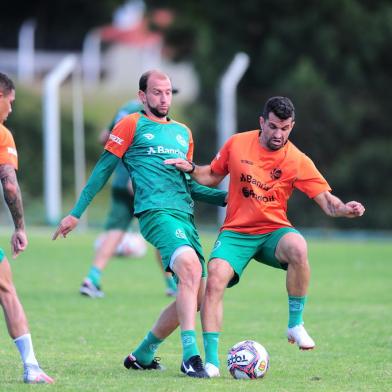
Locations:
(98, 178)
(206, 194)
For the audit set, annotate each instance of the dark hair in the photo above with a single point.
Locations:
(144, 80)
(6, 84)
(282, 107)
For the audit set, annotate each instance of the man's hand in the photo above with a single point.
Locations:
(66, 226)
(18, 242)
(334, 207)
(354, 209)
(181, 164)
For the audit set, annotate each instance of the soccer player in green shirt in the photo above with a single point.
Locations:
(164, 205)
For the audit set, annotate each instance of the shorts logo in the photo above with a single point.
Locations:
(116, 139)
(148, 136)
(217, 245)
(181, 140)
(180, 234)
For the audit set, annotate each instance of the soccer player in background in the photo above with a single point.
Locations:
(265, 168)
(118, 220)
(13, 311)
(164, 206)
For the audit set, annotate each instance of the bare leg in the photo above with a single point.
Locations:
(292, 249)
(188, 269)
(13, 311)
(219, 275)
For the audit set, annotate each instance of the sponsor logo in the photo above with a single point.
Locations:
(237, 358)
(246, 161)
(164, 150)
(276, 174)
(180, 234)
(250, 193)
(254, 181)
(116, 139)
(181, 140)
(12, 151)
(262, 366)
(148, 136)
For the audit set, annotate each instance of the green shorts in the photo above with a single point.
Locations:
(121, 210)
(238, 249)
(2, 255)
(167, 230)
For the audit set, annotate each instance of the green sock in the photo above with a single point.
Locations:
(296, 308)
(95, 275)
(189, 345)
(144, 353)
(171, 283)
(211, 343)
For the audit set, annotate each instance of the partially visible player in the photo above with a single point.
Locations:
(13, 311)
(118, 220)
(265, 168)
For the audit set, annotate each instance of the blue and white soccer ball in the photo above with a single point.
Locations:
(247, 360)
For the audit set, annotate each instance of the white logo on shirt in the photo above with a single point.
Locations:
(116, 139)
(180, 234)
(12, 151)
(148, 136)
(164, 150)
(181, 140)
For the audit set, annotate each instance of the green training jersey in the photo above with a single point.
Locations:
(143, 144)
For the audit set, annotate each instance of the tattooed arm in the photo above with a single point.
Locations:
(334, 207)
(13, 199)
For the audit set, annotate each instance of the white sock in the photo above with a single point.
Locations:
(25, 347)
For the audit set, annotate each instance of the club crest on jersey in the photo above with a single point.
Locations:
(116, 139)
(180, 234)
(148, 136)
(181, 140)
(276, 173)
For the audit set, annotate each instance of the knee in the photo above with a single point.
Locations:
(189, 271)
(217, 278)
(297, 255)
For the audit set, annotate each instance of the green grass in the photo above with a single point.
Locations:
(82, 342)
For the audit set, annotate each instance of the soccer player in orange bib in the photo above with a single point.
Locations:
(13, 311)
(265, 168)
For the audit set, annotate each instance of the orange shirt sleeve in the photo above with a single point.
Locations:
(8, 153)
(310, 181)
(122, 135)
(220, 164)
(189, 154)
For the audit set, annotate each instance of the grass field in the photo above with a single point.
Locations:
(82, 342)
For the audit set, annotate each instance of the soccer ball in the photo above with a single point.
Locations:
(131, 245)
(247, 360)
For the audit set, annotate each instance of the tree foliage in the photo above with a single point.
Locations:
(331, 57)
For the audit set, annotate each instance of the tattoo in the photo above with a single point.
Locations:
(12, 194)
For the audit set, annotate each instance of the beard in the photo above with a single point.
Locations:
(156, 112)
